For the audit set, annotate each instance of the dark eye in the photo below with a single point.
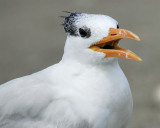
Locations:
(84, 32)
(117, 26)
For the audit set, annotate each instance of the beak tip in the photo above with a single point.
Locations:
(134, 36)
(137, 38)
(139, 59)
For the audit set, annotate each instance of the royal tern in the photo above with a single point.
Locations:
(86, 89)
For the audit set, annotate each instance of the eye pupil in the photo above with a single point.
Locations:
(82, 32)
(117, 26)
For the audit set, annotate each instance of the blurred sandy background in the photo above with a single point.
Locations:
(31, 39)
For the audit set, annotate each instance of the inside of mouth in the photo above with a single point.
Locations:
(108, 45)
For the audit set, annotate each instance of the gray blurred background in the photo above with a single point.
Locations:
(31, 39)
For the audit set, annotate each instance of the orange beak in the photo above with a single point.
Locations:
(109, 44)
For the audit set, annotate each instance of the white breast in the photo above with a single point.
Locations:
(100, 96)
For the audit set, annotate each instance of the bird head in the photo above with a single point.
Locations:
(95, 37)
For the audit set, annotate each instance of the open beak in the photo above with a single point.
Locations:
(109, 44)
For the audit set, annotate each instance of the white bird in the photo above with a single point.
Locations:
(86, 89)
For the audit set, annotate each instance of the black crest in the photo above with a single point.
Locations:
(69, 23)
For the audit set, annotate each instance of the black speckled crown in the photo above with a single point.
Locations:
(69, 23)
